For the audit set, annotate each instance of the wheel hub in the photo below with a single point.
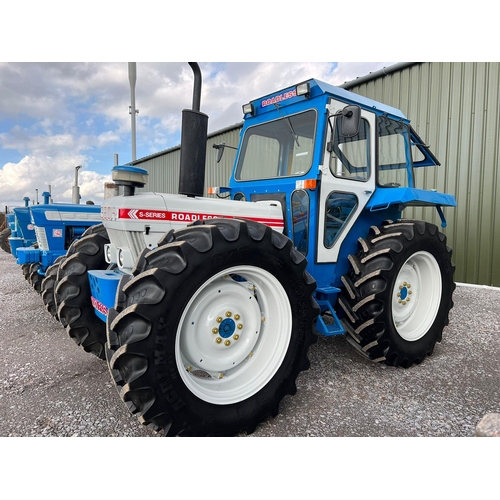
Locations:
(404, 293)
(227, 328)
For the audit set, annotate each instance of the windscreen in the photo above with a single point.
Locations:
(279, 148)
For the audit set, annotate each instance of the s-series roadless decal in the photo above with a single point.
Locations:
(176, 216)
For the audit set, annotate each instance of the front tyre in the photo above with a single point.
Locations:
(48, 286)
(398, 293)
(212, 333)
(72, 292)
(35, 279)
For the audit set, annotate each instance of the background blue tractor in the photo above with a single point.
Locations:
(23, 233)
(56, 226)
(19, 232)
(205, 308)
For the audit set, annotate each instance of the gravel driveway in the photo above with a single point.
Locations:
(51, 387)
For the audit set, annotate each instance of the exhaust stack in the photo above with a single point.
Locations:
(193, 143)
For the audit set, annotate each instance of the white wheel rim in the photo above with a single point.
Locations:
(416, 296)
(233, 335)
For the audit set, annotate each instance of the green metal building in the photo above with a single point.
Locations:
(455, 108)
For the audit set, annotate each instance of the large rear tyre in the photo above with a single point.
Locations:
(4, 240)
(72, 292)
(398, 293)
(213, 330)
(48, 286)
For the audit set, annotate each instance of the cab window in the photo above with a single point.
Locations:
(350, 156)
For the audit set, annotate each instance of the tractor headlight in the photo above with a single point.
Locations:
(120, 257)
(124, 258)
(109, 254)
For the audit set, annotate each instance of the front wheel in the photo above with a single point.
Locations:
(398, 293)
(48, 286)
(72, 291)
(35, 279)
(214, 331)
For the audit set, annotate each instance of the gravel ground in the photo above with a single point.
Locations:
(51, 387)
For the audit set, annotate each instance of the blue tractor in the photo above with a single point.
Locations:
(56, 226)
(19, 232)
(205, 308)
(22, 232)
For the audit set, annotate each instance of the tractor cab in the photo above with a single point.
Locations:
(334, 160)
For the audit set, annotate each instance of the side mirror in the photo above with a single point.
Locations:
(350, 120)
(220, 151)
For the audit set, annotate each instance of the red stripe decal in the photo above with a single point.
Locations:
(164, 215)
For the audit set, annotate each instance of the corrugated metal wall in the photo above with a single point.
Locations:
(455, 109)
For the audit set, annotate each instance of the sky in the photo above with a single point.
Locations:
(55, 116)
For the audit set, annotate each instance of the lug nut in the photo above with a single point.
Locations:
(219, 320)
(239, 326)
(227, 343)
(236, 336)
(218, 340)
(236, 317)
(215, 330)
(228, 314)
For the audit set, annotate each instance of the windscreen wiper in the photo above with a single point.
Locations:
(295, 136)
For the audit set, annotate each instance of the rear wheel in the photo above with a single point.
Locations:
(213, 330)
(73, 295)
(398, 293)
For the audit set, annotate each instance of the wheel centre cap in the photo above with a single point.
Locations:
(226, 328)
(403, 293)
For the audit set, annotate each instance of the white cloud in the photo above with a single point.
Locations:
(21, 179)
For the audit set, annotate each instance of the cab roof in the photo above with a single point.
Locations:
(318, 88)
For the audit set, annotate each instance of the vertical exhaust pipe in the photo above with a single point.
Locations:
(193, 143)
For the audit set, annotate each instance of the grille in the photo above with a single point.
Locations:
(128, 239)
(41, 238)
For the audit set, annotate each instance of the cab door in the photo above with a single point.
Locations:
(347, 180)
